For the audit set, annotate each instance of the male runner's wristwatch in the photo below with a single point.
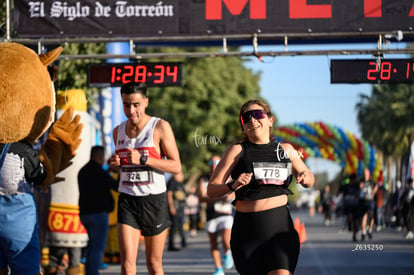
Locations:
(143, 159)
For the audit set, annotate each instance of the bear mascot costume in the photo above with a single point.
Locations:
(27, 112)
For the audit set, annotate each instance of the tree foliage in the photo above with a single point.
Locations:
(3, 18)
(386, 118)
(73, 73)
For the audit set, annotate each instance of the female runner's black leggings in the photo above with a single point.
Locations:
(264, 241)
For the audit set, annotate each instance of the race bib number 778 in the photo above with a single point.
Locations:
(271, 173)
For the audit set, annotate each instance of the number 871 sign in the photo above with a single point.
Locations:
(64, 220)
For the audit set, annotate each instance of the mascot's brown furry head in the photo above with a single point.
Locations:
(27, 98)
(27, 108)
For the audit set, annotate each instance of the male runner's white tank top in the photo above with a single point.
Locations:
(139, 180)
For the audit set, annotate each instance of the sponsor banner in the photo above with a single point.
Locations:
(163, 18)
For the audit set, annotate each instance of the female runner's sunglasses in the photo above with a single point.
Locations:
(256, 114)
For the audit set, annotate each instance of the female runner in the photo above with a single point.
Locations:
(263, 239)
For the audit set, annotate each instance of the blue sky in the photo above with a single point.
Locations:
(298, 89)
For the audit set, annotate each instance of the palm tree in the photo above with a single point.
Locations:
(386, 121)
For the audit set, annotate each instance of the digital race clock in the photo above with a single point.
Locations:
(117, 74)
(371, 71)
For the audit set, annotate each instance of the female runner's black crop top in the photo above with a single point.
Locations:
(271, 167)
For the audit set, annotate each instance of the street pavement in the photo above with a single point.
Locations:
(328, 250)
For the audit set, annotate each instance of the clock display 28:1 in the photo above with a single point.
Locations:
(371, 71)
(385, 71)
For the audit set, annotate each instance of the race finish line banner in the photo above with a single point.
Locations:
(163, 18)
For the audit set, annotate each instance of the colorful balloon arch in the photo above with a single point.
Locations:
(321, 140)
